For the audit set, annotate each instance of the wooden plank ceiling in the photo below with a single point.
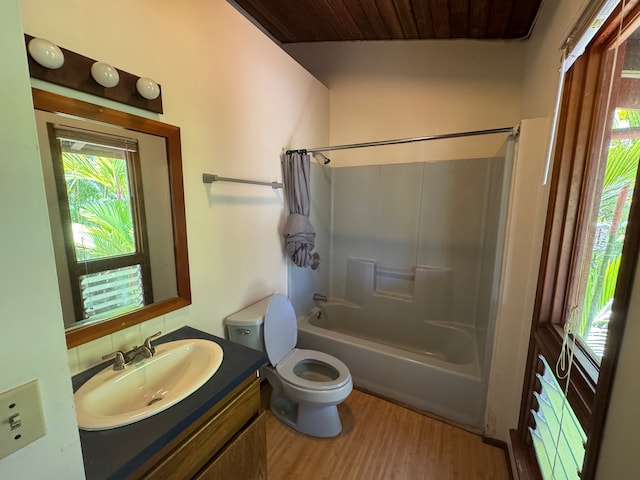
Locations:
(291, 21)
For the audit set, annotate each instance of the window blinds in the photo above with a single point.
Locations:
(112, 292)
(593, 16)
(76, 140)
(558, 437)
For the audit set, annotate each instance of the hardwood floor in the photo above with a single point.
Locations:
(381, 440)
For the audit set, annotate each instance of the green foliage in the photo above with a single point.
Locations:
(98, 192)
(618, 185)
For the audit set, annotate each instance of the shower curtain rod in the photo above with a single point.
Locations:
(513, 130)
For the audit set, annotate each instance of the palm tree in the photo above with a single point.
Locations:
(98, 192)
(615, 201)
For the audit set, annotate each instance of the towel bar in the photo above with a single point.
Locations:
(209, 178)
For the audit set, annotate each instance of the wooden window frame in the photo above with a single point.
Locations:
(585, 118)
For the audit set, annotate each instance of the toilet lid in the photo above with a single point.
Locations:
(280, 328)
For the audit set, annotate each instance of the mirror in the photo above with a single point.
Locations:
(95, 271)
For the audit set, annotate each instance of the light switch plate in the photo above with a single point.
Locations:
(21, 418)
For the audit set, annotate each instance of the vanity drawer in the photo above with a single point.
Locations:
(244, 458)
(200, 444)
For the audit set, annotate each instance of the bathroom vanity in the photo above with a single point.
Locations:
(216, 432)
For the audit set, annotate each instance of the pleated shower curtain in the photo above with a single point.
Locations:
(299, 234)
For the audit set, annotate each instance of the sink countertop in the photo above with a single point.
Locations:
(118, 452)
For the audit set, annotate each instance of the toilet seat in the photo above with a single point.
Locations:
(280, 338)
(287, 370)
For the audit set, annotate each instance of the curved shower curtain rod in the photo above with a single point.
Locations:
(513, 130)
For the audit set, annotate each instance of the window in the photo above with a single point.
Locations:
(102, 208)
(609, 207)
(591, 246)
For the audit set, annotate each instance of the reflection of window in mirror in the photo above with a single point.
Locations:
(137, 264)
(102, 208)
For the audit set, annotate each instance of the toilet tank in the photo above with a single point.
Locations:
(246, 326)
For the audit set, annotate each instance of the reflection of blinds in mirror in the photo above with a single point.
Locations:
(92, 143)
(558, 437)
(112, 292)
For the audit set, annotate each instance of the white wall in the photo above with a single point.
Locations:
(32, 344)
(386, 90)
(238, 99)
(619, 449)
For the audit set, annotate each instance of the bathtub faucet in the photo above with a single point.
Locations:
(319, 298)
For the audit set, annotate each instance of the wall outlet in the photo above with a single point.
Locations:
(21, 418)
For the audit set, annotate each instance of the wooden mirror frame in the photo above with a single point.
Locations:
(54, 103)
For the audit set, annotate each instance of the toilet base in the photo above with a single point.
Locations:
(322, 421)
(315, 420)
(312, 420)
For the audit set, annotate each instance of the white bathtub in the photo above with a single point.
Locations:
(432, 366)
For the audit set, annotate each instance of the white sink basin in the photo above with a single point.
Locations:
(111, 398)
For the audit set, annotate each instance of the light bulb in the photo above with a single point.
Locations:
(105, 74)
(46, 53)
(148, 88)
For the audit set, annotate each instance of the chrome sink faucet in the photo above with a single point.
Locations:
(147, 343)
(136, 354)
(319, 298)
(119, 362)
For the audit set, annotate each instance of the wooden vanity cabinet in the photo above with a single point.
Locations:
(229, 442)
(242, 458)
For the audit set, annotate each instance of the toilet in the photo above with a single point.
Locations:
(307, 385)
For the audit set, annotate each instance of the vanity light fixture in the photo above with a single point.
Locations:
(59, 66)
(148, 88)
(105, 74)
(46, 53)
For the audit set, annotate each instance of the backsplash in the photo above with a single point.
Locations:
(90, 354)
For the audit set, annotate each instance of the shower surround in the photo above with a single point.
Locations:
(413, 274)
